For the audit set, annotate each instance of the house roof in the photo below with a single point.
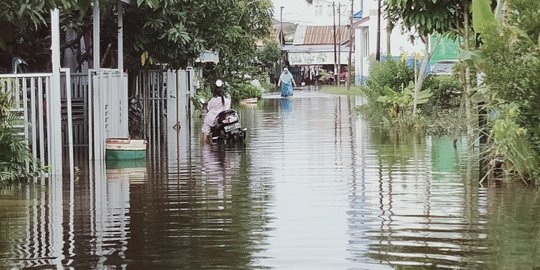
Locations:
(313, 35)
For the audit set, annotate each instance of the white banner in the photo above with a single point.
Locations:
(316, 58)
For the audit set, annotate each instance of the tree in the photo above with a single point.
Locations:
(443, 17)
(175, 32)
(509, 58)
(268, 54)
(24, 32)
(425, 18)
(171, 32)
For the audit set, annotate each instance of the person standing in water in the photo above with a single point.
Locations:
(286, 81)
(218, 103)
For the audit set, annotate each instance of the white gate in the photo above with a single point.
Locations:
(165, 94)
(108, 113)
(167, 108)
(34, 103)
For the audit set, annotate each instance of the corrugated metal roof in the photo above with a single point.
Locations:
(325, 35)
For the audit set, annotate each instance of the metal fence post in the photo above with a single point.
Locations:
(69, 121)
(54, 115)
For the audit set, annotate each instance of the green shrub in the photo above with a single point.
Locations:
(204, 94)
(445, 122)
(390, 93)
(512, 142)
(267, 86)
(394, 74)
(510, 58)
(243, 91)
(446, 93)
(15, 154)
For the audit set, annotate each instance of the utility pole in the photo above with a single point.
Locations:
(339, 44)
(335, 52)
(281, 61)
(349, 64)
(281, 37)
(378, 53)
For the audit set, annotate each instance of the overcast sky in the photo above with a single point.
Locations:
(298, 11)
(294, 10)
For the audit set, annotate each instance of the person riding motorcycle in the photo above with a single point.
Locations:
(218, 103)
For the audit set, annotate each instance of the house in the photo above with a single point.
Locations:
(366, 39)
(312, 52)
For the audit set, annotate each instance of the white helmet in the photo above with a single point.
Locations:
(219, 83)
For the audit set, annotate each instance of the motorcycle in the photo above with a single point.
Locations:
(228, 129)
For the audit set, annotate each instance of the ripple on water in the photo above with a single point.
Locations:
(314, 188)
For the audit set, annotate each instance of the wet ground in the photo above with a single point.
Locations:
(314, 188)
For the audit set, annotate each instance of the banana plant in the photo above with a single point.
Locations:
(401, 102)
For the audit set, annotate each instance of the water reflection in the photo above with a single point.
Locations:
(286, 105)
(422, 211)
(315, 188)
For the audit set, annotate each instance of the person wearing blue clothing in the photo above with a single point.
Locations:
(286, 81)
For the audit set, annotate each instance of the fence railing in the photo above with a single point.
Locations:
(108, 112)
(165, 103)
(32, 99)
(79, 105)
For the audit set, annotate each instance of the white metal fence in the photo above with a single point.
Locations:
(165, 96)
(34, 102)
(108, 110)
(79, 105)
(95, 106)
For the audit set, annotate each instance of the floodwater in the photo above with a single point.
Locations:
(315, 188)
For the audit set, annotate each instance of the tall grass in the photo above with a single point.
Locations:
(342, 90)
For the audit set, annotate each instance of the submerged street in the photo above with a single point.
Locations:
(315, 187)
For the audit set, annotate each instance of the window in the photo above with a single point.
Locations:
(365, 40)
